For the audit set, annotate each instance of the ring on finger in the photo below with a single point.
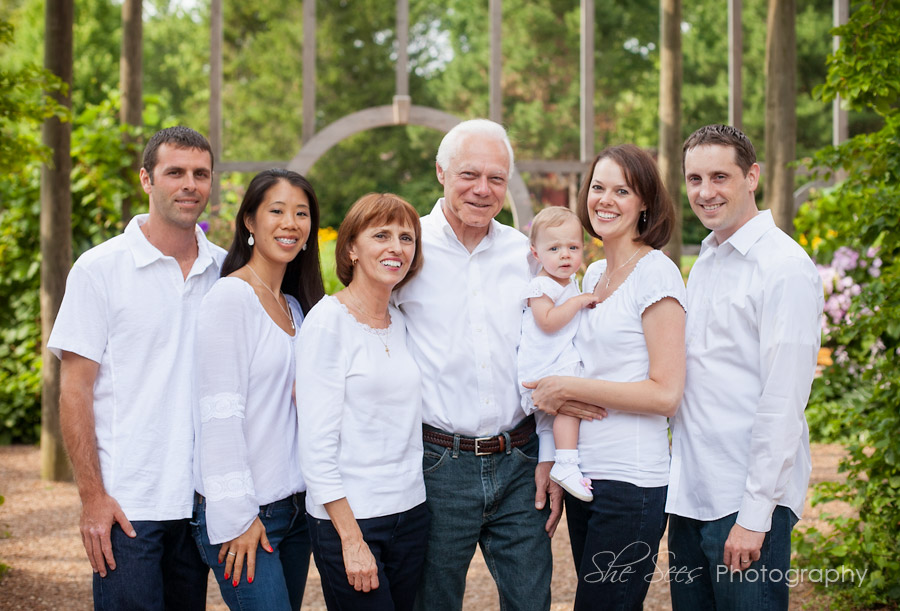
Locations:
(232, 554)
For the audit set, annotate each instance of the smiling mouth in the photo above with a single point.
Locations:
(606, 216)
(286, 241)
(711, 207)
(393, 264)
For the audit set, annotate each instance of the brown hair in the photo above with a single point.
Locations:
(552, 216)
(722, 135)
(369, 210)
(180, 137)
(642, 176)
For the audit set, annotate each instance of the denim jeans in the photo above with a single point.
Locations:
(699, 579)
(158, 569)
(280, 576)
(489, 501)
(615, 540)
(398, 543)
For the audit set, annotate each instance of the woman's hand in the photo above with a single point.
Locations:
(551, 397)
(362, 571)
(235, 551)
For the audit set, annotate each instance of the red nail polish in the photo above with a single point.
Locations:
(234, 583)
(249, 580)
(270, 549)
(226, 575)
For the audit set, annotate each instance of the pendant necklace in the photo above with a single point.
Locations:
(277, 300)
(381, 337)
(609, 274)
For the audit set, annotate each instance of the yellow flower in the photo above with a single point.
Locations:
(327, 234)
(831, 233)
(816, 241)
(803, 241)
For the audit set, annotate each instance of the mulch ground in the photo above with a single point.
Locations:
(39, 541)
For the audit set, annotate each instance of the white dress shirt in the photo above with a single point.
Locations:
(625, 446)
(740, 442)
(129, 308)
(464, 314)
(360, 413)
(245, 418)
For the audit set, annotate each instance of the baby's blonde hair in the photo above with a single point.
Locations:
(553, 216)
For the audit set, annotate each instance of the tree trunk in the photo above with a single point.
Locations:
(781, 112)
(670, 140)
(130, 76)
(56, 232)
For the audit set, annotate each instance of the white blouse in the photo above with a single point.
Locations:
(625, 446)
(360, 414)
(246, 452)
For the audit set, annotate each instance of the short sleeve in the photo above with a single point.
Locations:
(81, 325)
(542, 285)
(592, 275)
(660, 278)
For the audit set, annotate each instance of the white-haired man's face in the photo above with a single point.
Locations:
(475, 182)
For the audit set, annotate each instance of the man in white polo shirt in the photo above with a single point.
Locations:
(125, 336)
(740, 443)
(483, 481)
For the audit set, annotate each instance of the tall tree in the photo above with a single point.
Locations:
(670, 114)
(781, 112)
(130, 78)
(56, 230)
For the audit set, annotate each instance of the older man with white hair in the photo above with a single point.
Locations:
(483, 479)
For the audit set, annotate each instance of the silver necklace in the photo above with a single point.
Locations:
(610, 274)
(358, 305)
(276, 297)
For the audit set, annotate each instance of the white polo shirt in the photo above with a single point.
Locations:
(129, 308)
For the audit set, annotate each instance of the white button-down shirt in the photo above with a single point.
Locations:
(740, 442)
(464, 315)
(129, 308)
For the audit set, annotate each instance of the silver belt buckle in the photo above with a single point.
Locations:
(478, 440)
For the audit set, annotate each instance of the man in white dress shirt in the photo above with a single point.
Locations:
(740, 443)
(125, 335)
(483, 480)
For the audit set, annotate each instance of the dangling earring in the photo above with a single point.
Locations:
(250, 240)
(303, 247)
(645, 216)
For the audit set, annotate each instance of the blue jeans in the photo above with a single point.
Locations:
(485, 500)
(158, 569)
(398, 543)
(699, 579)
(280, 576)
(615, 540)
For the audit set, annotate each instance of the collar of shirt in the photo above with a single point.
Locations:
(440, 219)
(746, 236)
(145, 253)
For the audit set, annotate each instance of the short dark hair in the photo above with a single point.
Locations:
(369, 210)
(303, 277)
(642, 176)
(178, 136)
(722, 135)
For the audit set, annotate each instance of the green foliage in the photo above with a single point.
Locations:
(99, 162)
(860, 221)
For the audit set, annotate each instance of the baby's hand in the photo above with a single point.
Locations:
(588, 300)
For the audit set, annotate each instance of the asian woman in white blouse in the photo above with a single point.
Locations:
(632, 348)
(249, 515)
(359, 405)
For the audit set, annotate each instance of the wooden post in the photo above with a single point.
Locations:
(496, 69)
(670, 140)
(735, 64)
(309, 70)
(781, 112)
(56, 231)
(216, 42)
(132, 104)
(587, 81)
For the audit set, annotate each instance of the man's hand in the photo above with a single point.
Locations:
(742, 548)
(544, 488)
(585, 411)
(98, 514)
